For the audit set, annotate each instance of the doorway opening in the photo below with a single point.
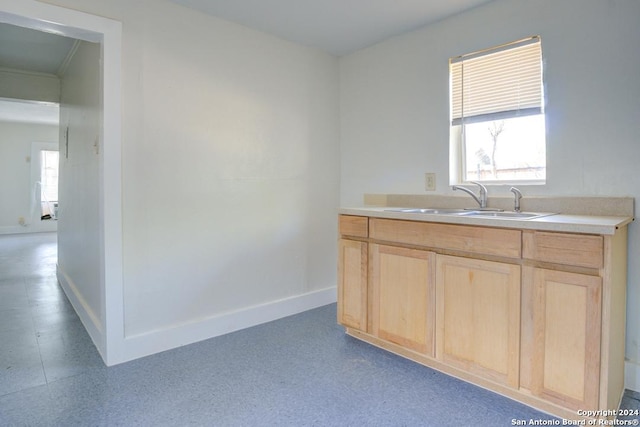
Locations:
(99, 302)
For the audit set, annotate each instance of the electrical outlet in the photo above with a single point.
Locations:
(430, 181)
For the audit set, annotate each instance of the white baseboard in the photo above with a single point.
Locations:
(92, 323)
(149, 343)
(23, 229)
(632, 375)
(165, 339)
(14, 229)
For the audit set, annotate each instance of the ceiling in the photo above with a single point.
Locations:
(32, 51)
(336, 26)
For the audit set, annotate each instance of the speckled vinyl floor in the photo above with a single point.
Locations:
(298, 371)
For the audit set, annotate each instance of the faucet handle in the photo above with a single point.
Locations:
(518, 196)
(483, 189)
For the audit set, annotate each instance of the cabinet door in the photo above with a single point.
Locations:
(566, 337)
(478, 317)
(352, 284)
(403, 305)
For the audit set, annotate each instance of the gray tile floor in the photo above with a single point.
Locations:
(42, 339)
(298, 371)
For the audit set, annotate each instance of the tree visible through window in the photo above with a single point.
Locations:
(497, 113)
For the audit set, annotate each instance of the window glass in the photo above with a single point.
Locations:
(497, 114)
(49, 183)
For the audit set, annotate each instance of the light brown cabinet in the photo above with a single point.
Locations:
(574, 318)
(537, 316)
(402, 296)
(478, 317)
(352, 284)
(353, 272)
(566, 313)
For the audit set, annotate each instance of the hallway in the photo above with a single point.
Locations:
(42, 338)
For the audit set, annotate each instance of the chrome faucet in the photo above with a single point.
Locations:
(518, 196)
(482, 200)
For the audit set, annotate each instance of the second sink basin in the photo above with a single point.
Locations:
(509, 215)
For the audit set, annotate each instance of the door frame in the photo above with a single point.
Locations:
(109, 335)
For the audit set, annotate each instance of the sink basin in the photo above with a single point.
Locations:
(433, 211)
(509, 215)
(473, 213)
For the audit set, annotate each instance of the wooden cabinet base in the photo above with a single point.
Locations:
(520, 395)
(536, 316)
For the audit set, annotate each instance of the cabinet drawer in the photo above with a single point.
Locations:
(489, 241)
(561, 248)
(357, 226)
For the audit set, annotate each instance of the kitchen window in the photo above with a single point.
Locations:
(497, 115)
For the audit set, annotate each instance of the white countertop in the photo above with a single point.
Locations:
(588, 224)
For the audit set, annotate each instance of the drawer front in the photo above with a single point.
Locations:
(561, 248)
(482, 240)
(357, 226)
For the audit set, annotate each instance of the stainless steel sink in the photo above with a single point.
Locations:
(509, 215)
(433, 211)
(473, 213)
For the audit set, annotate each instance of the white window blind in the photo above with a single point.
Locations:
(497, 83)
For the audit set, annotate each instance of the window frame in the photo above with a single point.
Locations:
(457, 135)
(35, 193)
(52, 205)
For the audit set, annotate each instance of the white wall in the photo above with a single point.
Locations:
(230, 162)
(238, 149)
(395, 108)
(79, 242)
(29, 85)
(16, 188)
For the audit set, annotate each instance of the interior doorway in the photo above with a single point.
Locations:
(103, 320)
